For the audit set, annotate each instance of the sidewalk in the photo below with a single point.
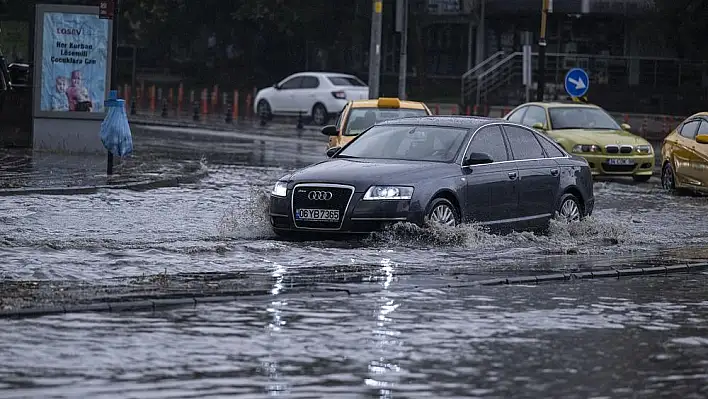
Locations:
(27, 172)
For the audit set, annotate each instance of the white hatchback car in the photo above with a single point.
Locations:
(316, 95)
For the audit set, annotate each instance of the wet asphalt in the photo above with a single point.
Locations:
(411, 336)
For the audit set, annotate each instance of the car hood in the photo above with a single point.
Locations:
(362, 173)
(598, 137)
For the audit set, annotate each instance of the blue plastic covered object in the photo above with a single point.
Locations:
(115, 130)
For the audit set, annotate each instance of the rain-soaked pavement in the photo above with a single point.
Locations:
(411, 336)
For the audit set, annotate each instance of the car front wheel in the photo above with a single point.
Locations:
(569, 208)
(668, 178)
(441, 211)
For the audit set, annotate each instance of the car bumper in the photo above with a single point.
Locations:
(639, 164)
(359, 217)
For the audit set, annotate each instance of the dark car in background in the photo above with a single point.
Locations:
(440, 169)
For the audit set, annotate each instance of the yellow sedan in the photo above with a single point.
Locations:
(684, 155)
(359, 115)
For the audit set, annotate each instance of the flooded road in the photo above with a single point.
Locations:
(413, 337)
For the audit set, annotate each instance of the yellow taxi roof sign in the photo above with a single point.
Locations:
(389, 102)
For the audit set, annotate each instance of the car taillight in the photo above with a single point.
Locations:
(340, 95)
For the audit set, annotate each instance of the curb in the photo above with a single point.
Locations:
(224, 128)
(195, 299)
(144, 185)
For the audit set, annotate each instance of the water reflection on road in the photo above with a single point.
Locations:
(588, 339)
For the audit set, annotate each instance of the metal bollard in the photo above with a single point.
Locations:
(164, 108)
(228, 117)
(196, 111)
(299, 120)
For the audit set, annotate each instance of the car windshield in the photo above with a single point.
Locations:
(361, 119)
(413, 143)
(346, 81)
(581, 118)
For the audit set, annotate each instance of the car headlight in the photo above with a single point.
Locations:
(587, 148)
(280, 189)
(644, 149)
(388, 193)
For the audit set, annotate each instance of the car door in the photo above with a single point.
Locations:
(491, 195)
(282, 99)
(699, 158)
(539, 176)
(305, 97)
(683, 151)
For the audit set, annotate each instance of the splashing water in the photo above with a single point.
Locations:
(247, 218)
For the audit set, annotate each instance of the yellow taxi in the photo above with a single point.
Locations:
(359, 115)
(589, 131)
(684, 155)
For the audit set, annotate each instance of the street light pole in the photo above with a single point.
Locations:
(403, 60)
(114, 67)
(375, 49)
(542, 53)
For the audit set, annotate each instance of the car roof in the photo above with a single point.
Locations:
(461, 121)
(373, 103)
(320, 74)
(697, 114)
(560, 104)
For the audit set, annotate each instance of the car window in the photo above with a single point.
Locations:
(523, 143)
(361, 119)
(581, 118)
(346, 81)
(552, 149)
(489, 140)
(293, 83)
(534, 115)
(517, 115)
(689, 129)
(310, 82)
(414, 143)
(703, 129)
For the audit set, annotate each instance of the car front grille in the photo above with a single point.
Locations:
(316, 196)
(617, 149)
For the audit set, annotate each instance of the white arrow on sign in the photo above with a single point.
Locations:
(579, 84)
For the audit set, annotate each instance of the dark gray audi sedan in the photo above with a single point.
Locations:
(439, 169)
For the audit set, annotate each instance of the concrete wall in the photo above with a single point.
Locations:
(68, 135)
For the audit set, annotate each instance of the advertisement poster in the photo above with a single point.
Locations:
(74, 62)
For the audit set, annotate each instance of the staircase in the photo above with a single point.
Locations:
(628, 84)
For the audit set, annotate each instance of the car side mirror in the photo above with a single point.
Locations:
(626, 127)
(702, 139)
(275, 86)
(332, 151)
(330, 130)
(539, 126)
(477, 158)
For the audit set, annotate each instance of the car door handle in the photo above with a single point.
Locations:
(554, 172)
(512, 175)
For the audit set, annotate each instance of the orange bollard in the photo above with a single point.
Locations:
(152, 98)
(205, 105)
(234, 110)
(626, 118)
(180, 98)
(468, 111)
(215, 97)
(475, 110)
(248, 105)
(437, 109)
(455, 110)
(171, 96)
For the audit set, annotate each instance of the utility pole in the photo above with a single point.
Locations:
(542, 53)
(402, 27)
(375, 49)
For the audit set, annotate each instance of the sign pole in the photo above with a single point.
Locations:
(114, 67)
(542, 53)
(403, 60)
(375, 49)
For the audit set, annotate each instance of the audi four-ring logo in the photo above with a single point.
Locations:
(319, 195)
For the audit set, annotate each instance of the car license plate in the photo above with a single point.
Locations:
(620, 161)
(324, 215)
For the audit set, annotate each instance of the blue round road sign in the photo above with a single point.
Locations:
(576, 82)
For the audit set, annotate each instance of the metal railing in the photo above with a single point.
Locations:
(638, 73)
